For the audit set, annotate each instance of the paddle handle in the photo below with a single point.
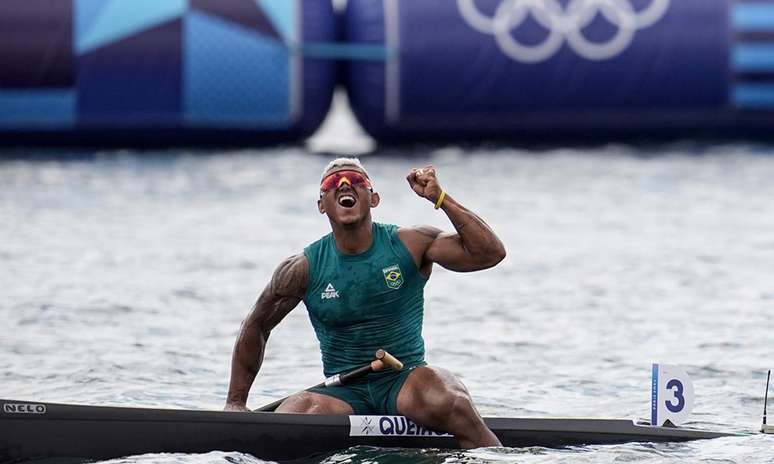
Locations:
(388, 359)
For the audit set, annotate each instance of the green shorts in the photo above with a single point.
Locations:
(376, 393)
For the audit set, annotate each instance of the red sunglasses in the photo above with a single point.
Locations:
(338, 178)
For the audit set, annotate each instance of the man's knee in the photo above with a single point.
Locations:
(452, 406)
(299, 403)
(442, 395)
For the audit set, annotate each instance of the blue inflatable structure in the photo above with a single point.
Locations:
(163, 71)
(255, 71)
(480, 69)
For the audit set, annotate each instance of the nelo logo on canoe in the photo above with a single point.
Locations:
(24, 408)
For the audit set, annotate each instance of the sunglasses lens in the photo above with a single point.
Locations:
(335, 180)
(331, 182)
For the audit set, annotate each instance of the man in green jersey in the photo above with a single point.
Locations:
(363, 286)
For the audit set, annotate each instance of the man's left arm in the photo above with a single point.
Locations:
(473, 247)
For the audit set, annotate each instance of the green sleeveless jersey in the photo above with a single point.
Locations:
(360, 303)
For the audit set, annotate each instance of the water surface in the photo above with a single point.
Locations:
(125, 277)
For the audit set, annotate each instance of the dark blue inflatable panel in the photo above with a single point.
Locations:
(511, 68)
(163, 71)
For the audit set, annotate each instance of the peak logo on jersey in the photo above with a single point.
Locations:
(329, 292)
(393, 276)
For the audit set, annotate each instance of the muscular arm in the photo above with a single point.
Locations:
(281, 295)
(473, 247)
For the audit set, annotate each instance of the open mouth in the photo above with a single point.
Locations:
(347, 200)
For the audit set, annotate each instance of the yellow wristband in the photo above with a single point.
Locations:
(441, 197)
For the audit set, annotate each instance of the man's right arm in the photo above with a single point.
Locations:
(281, 295)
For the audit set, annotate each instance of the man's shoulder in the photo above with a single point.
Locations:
(417, 239)
(294, 263)
(420, 232)
(290, 276)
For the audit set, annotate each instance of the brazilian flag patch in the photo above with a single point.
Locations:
(393, 276)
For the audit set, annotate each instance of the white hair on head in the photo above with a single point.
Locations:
(345, 162)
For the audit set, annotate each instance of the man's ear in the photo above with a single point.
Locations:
(320, 206)
(374, 200)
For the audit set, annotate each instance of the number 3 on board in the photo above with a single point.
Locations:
(677, 388)
(671, 395)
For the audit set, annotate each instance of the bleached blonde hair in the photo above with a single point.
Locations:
(344, 162)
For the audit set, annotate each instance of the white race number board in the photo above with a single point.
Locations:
(671, 395)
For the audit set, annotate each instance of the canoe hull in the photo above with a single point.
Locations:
(39, 430)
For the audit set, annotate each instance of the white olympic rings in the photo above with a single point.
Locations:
(562, 24)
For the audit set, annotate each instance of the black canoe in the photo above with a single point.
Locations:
(31, 430)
